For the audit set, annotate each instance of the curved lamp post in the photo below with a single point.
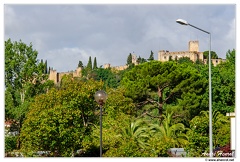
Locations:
(100, 98)
(184, 22)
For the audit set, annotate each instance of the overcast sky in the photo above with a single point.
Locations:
(66, 34)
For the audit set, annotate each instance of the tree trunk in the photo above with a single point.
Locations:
(160, 101)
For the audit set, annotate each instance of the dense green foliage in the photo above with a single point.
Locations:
(198, 133)
(60, 120)
(151, 107)
(10, 143)
(213, 55)
(25, 77)
(167, 86)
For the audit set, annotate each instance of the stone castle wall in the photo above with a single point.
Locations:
(215, 62)
(56, 77)
(123, 67)
(192, 53)
(166, 55)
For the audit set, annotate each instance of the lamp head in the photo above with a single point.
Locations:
(100, 97)
(182, 22)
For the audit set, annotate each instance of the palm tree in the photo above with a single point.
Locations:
(217, 117)
(170, 133)
(137, 131)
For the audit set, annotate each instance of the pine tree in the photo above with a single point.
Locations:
(89, 65)
(95, 63)
(80, 64)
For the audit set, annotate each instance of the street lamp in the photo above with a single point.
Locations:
(100, 98)
(184, 22)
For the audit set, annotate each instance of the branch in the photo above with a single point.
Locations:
(152, 101)
(142, 103)
(175, 116)
(152, 116)
(167, 98)
(163, 87)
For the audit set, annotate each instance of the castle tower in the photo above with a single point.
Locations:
(193, 46)
(134, 59)
(162, 56)
(107, 66)
(77, 72)
(53, 75)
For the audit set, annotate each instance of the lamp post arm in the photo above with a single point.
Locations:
(199, 29)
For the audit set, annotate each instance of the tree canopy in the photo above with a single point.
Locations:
(60, 120)
(165, 83)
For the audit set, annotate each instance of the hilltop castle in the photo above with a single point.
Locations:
(192, 53)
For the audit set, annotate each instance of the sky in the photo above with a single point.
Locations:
(64, 34)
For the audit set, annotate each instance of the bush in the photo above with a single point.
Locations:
(10, 143)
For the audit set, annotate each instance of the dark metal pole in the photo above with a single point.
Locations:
(210, 99)
(100, 130)
(199, 29)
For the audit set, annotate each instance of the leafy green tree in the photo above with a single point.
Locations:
(95, 63)
(199, 132)
(24, 78)
(109, 78)
(213, 55)
(223, 83)
(151, 57)
(231, 56)
(60, 120)
(117, 114)
(184, 60)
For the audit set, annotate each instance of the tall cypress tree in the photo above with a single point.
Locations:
(129, 59)
(46, 69)
(89, 65)
(95, 63)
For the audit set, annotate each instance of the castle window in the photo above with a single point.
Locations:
(216, 61)
(164, 57)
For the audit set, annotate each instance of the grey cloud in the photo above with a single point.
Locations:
(111, 32)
